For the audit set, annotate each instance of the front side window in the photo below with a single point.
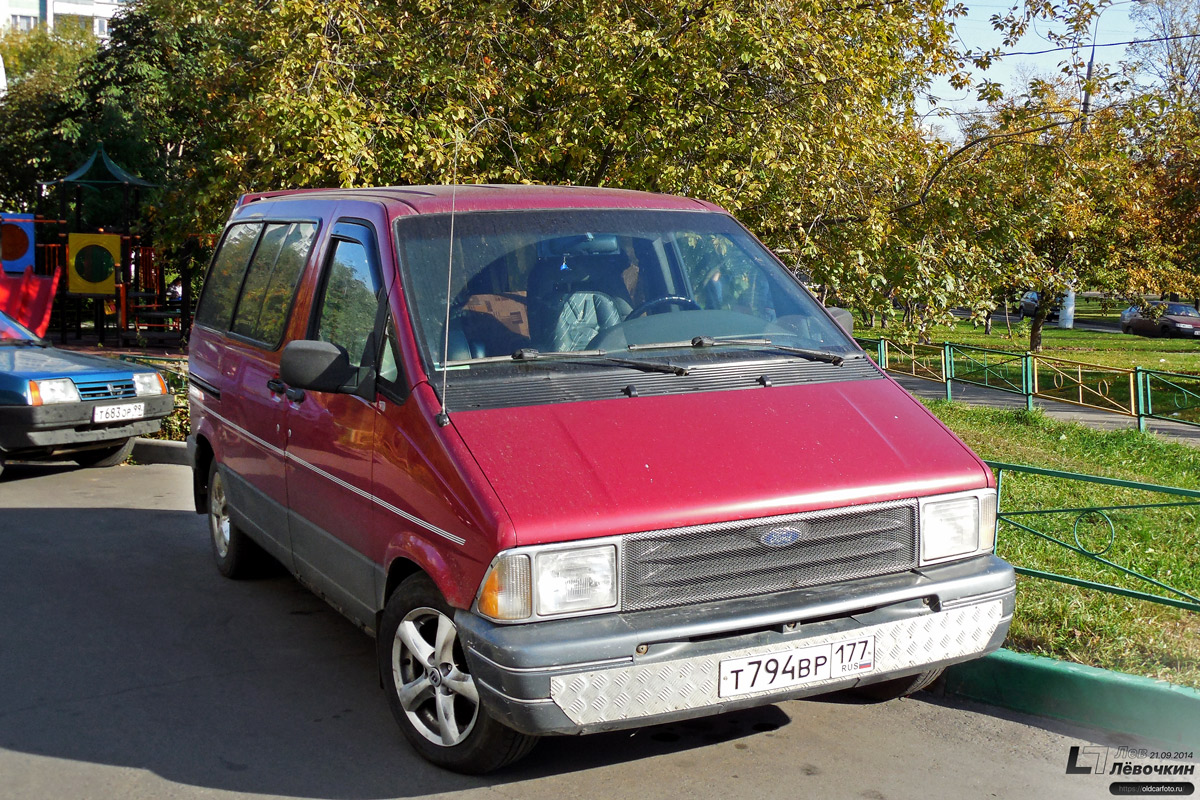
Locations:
(350, 300)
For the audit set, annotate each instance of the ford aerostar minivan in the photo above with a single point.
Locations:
(580, 459)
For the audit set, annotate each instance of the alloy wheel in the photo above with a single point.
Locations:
(437, 693)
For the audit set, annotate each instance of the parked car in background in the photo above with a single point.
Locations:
(63, 406)
(1027, 307)
(1176, 319)
(607, 465)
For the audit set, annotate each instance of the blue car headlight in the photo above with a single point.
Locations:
(57, 390)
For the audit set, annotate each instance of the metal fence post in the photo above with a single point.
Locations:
(1140, 398)
(1027, 379)
(948, 367)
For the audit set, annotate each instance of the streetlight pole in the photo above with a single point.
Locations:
(1066, 315)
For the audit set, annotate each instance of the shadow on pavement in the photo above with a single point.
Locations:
(122, 646)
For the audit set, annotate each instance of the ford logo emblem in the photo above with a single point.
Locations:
(780, 537)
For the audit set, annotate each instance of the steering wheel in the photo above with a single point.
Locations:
(671, 299)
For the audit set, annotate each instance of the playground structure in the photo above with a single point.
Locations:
(59, 271)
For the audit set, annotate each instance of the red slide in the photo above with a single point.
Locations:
(27, 298)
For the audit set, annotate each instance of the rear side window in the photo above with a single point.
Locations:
(225, 276)
(271, 281)
(350, 303)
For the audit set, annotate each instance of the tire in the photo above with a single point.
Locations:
(236, 554)
(897, 687)
(108, 456)
(1164, 333)
(1126, 329)
(430, 690)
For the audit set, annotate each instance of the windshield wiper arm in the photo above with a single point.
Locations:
(708, 341)
(599, 356)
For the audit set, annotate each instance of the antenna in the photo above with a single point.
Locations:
(443, 418)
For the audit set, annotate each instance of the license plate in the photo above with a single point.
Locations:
(786, 668)
(118, 413)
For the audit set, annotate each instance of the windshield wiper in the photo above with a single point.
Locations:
(23, 343)
(708, 341)
(598, 356)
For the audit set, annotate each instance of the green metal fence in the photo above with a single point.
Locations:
(1141, 393)
(1125, 545)
(1168, 395)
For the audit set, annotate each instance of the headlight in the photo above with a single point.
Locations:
(1184, 325)
(575, 580)
(552, 582)
(147, 383)
(59, 390)
(957, 525)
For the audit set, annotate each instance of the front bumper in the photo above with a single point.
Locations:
(586, 674)
(63, 428)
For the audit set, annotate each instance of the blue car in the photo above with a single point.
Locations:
(57, 405)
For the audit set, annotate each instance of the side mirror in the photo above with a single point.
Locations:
(841, 316)
(317, 366)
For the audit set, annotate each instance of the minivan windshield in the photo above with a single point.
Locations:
(590, 282)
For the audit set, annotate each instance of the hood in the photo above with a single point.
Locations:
(585, 469)
(37, 363)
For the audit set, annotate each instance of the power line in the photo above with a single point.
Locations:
(1107, 44)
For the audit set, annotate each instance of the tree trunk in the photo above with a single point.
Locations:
(1035, 331)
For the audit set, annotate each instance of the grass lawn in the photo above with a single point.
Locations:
(1084, 625)
(1107, 349)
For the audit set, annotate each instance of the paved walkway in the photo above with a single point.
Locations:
(1105, 420)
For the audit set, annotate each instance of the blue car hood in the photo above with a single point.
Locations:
(21, 364)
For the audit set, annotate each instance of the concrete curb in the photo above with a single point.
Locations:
(159, 451)
(1098, 698)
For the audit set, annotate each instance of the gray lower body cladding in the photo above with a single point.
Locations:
(586, 674)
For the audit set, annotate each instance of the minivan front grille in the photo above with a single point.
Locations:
(105, 390)
(752, 557)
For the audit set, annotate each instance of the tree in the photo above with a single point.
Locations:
(37, 134)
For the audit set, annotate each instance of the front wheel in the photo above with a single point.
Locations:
(897, 687)
(430, 689)
(108, 456)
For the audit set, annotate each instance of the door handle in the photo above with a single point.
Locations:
(276, 386)
(295, 395)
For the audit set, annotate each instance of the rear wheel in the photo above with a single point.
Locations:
(108, 456)
(897, 687)
(236, 554)
(430, 688)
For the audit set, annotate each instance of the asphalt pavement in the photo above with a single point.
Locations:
(130, 668)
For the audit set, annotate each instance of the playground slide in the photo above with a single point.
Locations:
(27, 298)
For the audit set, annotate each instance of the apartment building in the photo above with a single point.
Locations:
(92, 15)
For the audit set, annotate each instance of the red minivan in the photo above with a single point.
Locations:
(580, 459)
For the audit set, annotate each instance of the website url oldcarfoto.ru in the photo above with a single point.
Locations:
(1127, 789)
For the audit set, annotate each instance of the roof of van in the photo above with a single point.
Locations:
(491, 197)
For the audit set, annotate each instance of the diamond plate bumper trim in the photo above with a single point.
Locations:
(654, 689)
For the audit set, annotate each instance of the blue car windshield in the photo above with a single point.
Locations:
(13, 331)
(581, 281)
